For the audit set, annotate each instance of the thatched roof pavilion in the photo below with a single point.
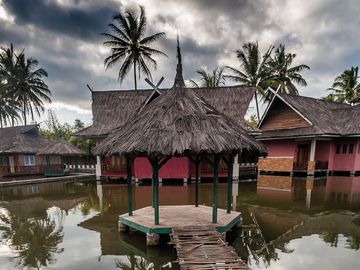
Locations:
(179, 123)
(61, 147)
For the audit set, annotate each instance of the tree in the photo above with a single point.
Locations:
(8, 105)
(253, 69)
(346, 86)
(30, 89)
(214, 79)
(284, 75)
(8, 110)
(129, 46)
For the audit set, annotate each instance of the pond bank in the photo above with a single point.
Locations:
(78, 176)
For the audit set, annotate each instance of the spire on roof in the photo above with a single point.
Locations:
(179, 80)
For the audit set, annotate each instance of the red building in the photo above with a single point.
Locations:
(111, 109)
(309, 135)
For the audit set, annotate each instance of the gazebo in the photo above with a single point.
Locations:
(179, 123)
(56, 153)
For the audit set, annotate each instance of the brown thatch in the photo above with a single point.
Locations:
(61, 148)
(179, 122)
(112, 109)
(326, 118)
(21, 139)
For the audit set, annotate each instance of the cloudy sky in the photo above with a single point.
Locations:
(64, 35)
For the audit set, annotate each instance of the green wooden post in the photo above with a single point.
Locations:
(47, 164)
(155, 188)
(197, 163)
(216, 180)
(229, 183)
(128, 171)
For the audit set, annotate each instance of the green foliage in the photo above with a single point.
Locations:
(129, 46)
(22, 88)
(214, 79)
(267, 70)
(35, 240)
(55, 130)
(345, 87)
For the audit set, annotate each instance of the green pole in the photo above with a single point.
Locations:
(197, 182)
(229, 184)
(155, 183)
(47, 164)
(128, 170)
(216, 180)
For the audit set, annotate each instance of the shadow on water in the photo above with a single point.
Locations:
(286, 220)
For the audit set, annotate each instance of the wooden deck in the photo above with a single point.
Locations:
(200, 247)
(178, 216)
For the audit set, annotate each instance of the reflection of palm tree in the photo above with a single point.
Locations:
(135, 263)
(35, 240)
(353, 242)
(331, 238)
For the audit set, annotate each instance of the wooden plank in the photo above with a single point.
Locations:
(202, 247)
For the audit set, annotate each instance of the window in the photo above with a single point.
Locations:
(351, 148)
(338, 149)
(29, 160)
(344, 148)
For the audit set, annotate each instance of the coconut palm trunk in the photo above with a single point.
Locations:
(135, 75)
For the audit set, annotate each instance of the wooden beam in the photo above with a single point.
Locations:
(155, 187)
(215, 195)
(129, 161)
(229, 182)
(163, 161)
(197, 163)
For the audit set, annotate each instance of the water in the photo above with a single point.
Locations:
(293, 223)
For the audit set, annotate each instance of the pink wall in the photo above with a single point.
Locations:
(344, 162)
(176, 167)
(280, 148)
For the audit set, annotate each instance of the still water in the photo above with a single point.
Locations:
(291, 223)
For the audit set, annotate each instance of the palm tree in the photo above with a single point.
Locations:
(29, 88)
(214, 79)
(285, 75)
(346, 86)
(129, 46)
(9, 107)
(253, 70)
(8, 110)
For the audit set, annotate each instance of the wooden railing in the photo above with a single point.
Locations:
(114, 169)
(321, 165)
(207, 168)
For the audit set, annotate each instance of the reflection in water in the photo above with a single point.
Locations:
(35, 240)
(288, 222)
(134, 263)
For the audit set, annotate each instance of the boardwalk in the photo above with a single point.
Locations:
(204, 248)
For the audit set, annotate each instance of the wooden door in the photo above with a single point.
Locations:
(303, 153)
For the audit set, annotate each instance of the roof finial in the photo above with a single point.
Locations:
(179, 80)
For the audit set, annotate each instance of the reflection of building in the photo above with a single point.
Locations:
(343, 190)
(310, 135)
(315, 192)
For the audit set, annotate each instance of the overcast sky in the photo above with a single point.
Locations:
(64, 35)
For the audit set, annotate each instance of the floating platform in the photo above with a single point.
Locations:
(179, 216)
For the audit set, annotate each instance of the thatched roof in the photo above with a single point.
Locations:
(112, 109)
(21, 139)
(179, 122)
(61, 148)
(325, 118)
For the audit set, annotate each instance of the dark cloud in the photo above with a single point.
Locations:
(75, 20)
(65, 37)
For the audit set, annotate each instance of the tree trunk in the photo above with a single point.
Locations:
(24, 112)
(1, 123)
(135, 75)
(257, 106)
